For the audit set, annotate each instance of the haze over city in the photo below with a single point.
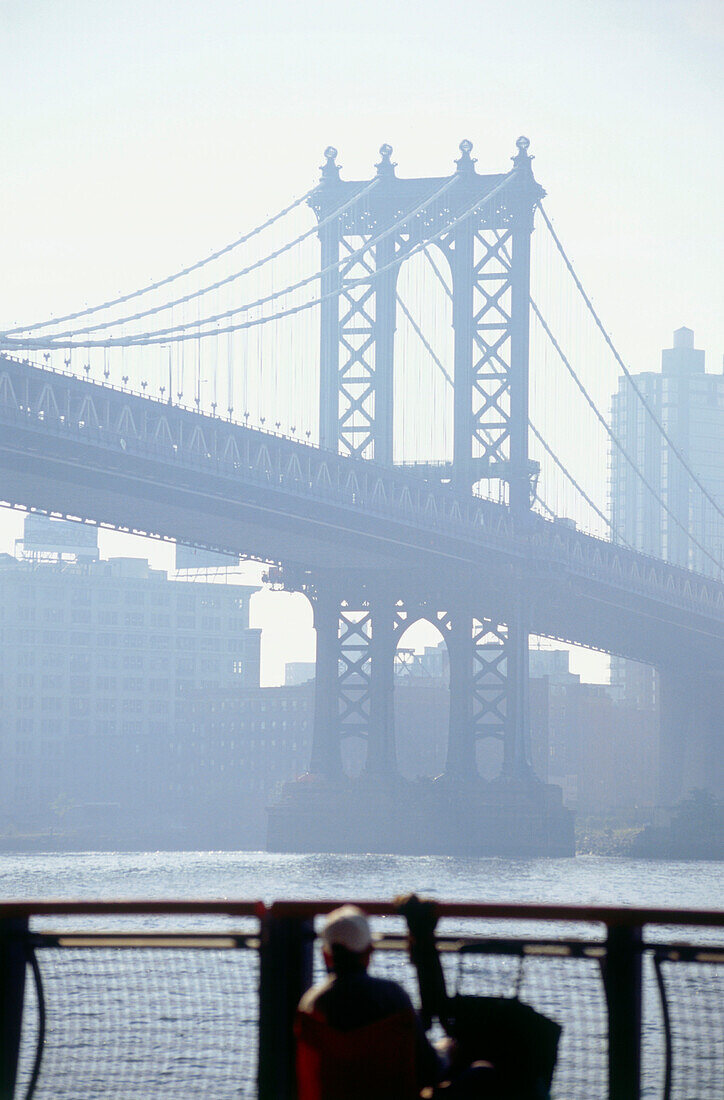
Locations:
(167, 128)
(361, 549)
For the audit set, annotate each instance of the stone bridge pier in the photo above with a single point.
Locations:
(358, 629)
(691, 723)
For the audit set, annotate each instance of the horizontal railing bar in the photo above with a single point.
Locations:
(131, 906)
(609, 915)
(304, 910)
(685, 952)
(551, 948)
(544, 949)
(185, 940)
(488, 945)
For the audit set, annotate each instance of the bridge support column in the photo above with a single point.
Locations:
(489, 670)
(516, 745)
(674, 717)
(523, 205)
(385, 324)
(460, 761)
(329, 333)
(462, 263)
(326, 758)
(691, 715)
(13, 965)
(381, 755)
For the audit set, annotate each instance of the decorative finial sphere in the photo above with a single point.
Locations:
(522, 143)
(386, 167)
(330, 168)
(466, 146)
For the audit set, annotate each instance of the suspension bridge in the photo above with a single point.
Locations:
(415, 426)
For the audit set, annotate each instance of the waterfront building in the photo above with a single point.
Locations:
(603, 753)
(231, 753)
(100, 660)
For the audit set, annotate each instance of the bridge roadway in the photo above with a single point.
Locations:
(88, 450)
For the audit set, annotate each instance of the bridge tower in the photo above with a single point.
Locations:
(367, 230)
(481, 226)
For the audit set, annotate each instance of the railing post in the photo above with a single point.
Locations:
(12, 990)
(622, 978)
(285, 973)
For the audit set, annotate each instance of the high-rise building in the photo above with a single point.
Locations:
(689, 403)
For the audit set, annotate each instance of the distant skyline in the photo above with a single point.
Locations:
(139, 137)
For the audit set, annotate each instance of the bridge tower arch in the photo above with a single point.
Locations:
(423, 754)
(423, 358)
(359, 628)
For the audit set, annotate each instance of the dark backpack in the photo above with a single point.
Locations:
(520, 1044)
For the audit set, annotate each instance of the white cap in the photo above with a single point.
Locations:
(348, 927)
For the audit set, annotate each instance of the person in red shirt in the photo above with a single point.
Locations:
(358, 1034)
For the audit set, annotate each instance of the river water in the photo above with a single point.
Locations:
(168, 1024)
(267, 876)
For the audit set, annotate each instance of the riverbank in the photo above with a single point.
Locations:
(693, 831)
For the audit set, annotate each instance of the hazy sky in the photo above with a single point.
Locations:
(140, 135)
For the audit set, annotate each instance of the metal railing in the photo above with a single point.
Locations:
(185, 998)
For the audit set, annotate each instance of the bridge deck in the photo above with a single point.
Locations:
(84, 449)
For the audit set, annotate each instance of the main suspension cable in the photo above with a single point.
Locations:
(199, 292)
(546, 507)
(607, 428)
(637, 390)
(147, 337)
(89, 310)
(151, 339)
(317, 275)
(615, 440)
(567, 473)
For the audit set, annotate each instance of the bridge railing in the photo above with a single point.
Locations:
(172, 999)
